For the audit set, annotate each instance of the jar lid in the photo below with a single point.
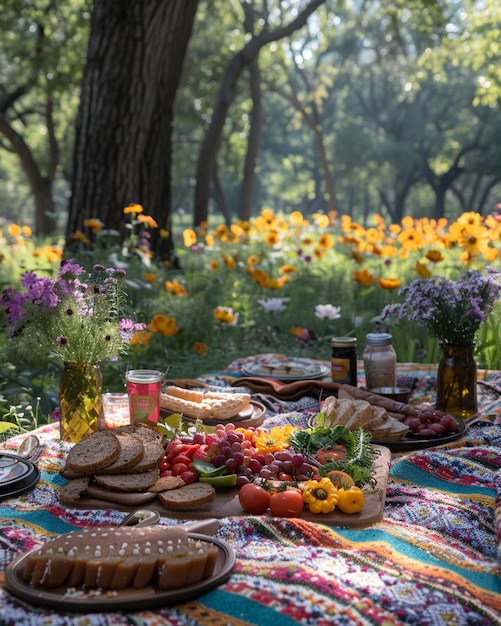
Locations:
(378, 339)
(343, 342)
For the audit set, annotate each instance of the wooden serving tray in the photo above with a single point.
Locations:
(226, 503)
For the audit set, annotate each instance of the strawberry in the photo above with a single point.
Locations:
(201, 455)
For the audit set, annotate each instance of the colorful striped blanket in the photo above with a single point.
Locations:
(432, 560)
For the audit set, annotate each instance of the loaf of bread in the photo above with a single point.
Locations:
(121, 558)
(356, 413)
(203, 405)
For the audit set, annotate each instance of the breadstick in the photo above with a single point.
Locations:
(387, 403)
(213, 405)
(185, 394)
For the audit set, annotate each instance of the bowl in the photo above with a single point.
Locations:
(399, 394)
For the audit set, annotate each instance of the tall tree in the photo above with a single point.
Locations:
(227, 92)
(124, 127)
(40, 70)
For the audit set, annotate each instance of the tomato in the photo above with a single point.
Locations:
(254, 499)
(286, 503)
(179, 468)
(326, 455)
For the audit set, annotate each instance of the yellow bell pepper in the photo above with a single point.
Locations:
(320, 496)
(350, 500)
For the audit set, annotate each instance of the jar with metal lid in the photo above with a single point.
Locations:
(344, 360)
(380, 361)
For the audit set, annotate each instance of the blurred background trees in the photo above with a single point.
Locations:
(387, 107)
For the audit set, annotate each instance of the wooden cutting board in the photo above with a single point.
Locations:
(226, 503)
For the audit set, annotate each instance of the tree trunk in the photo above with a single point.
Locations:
(41, 186)
(251, 156)
(124, 126)
(226, 95)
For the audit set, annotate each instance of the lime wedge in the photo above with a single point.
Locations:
(229, 480)
(204, 468)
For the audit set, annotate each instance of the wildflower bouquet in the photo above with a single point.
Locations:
(451, 311)
(75, 317)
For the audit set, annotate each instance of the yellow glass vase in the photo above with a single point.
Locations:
(457, 380)
(80, 402)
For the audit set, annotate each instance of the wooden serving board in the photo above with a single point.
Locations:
(226, 503)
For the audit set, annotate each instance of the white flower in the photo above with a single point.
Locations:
(328, 312)
(274, 304)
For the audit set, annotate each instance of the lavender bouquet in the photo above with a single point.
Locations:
(75, 317)
(452, 311)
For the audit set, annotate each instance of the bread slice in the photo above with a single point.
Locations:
(94, 452)
(188, 498)
(127, 482)
(396, 431)
(165, 483)
(70, 493)
(131, 453)
(144, 432)
(361, 416)
(152, 456)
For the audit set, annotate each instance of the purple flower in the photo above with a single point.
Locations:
(451, 311)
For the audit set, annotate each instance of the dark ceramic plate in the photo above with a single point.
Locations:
(415, 442)
(126, 600)
(17, 475)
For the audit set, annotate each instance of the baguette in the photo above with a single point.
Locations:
(203, 405)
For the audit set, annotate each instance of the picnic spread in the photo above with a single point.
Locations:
(432, 556)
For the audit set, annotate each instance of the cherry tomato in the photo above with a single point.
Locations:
(254, 499)
(286, 503)
(179, 468)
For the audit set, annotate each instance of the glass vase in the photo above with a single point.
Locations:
(457, 380)
(80, 403)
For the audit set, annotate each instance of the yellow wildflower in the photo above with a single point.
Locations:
(189, 237)
(389, 283)
(175, 287)
(14, 230)
(141, 338)
(363, 277)
(163, 325)
(147, 219)
(273, 440)
(95, 225)
(201, 348)
(133, 208)
(423, 270)
(225, 315)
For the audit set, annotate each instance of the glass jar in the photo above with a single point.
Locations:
(380, 361)
(344, 360)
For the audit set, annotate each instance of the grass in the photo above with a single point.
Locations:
(250, 289)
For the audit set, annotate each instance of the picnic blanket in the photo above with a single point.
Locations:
(433, 559)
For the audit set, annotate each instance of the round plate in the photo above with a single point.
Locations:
(253, 415)
(17, 475)
(415, 442)
(411, 441)
(127, 600)
(287, 369)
